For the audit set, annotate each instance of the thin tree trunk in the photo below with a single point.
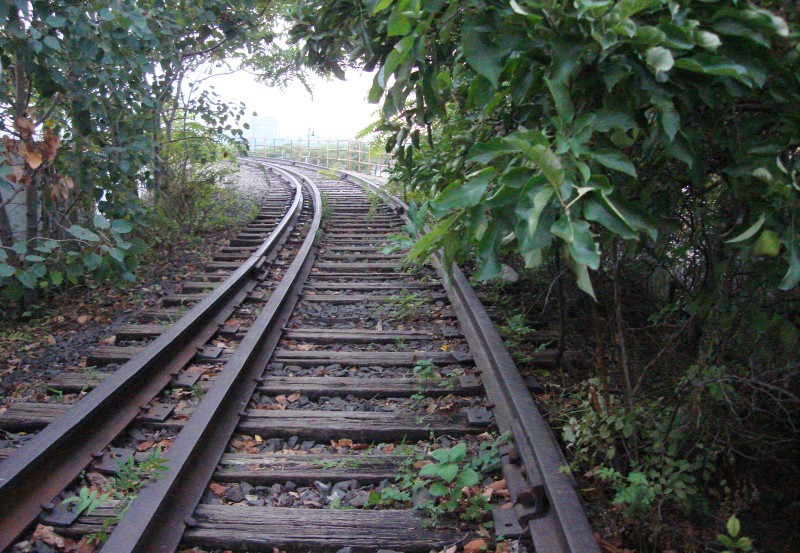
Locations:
(32, 214)
(619, 329)
(562, 316)
(619, 335)
(6, 230)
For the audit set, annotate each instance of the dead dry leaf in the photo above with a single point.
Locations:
(498, 485)
(34, 159)
(85, 546)
(475, 545)
(47, 535)
(217, 489)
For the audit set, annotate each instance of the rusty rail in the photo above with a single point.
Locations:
(548, 503)
(35, 474)
(158, 517)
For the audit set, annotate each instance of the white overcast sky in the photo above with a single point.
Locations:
(338, 109)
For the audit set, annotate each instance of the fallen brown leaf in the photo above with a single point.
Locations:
(217, 489)
(47, 535)
(498, 485)
(144, 446)
(475, 545)
(85, 546)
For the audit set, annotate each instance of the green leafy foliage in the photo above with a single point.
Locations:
(645, 455)
(131, 476)
(86, 501)
(732, 542)
(447, 480)
(44, 264)
(425, 371)
(405, 304)
(88, 99)
(562, 125)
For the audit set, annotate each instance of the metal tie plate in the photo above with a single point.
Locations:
(157, 412)
(506, 523)
(450, 332)
(111, 459)
(469, 381)
(478, 416)
(186, 379)
(228, 330)
(208, 353)
(59, 515)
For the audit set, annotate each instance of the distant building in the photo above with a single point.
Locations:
(262, 127)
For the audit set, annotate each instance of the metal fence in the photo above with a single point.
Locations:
(351, 155)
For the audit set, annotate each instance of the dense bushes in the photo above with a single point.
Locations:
(88, 97)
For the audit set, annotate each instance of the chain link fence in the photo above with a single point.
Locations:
(351, 155)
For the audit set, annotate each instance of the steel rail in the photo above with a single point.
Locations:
(157, 518)
(559, 524)
(41, 469)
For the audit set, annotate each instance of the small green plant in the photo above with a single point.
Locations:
(389, 495)
(374, 202)
(451, 473)
(425, 371)
(405, 304)
(87, 500)
(446, 470)
(197, 391)
(59, 394)
(130, 478)
(92, 372)
(332, 172)
(326, 209)
(515, 329)
(352, 462)
(132, 475)
(336, 503)
(399, 342)
(732, 542)
(445, 478)
(411, 231)
(451, 380)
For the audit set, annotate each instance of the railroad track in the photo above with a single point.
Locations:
(352, 370)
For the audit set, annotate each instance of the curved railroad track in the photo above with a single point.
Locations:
(351, 370)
